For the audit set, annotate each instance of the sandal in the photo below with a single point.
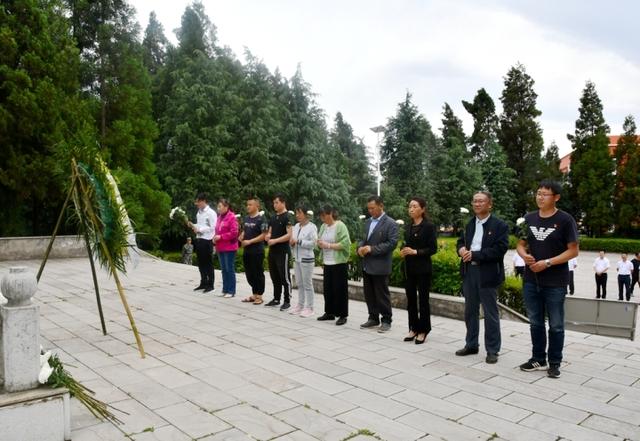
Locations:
(249, 299)
(258, 300)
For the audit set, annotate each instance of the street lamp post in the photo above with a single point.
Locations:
(378, 130)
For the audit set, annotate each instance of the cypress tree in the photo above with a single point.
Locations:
(591, 164)
(626, 200)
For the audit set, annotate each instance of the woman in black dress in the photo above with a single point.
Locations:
(420, 245)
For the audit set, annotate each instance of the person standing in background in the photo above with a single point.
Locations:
(187, 252)
(624, 269)
(636, 272)
(573, 264)
(600, 266)
(518, 265)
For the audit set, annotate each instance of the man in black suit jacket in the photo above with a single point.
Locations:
(482, 247)
(376, 249)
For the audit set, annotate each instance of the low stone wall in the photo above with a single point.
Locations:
(33, 248)
(441, 305)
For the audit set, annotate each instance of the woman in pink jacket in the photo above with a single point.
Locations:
(226, 242)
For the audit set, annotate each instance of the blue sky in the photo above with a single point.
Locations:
(361, 57)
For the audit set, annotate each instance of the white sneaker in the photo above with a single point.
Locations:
(295, 310)
(306, 312)
(228, 296)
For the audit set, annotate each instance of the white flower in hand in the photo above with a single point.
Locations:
(290, 212)
(520, 221)
(309, 213)
(261, 212)
(237, 216)
(45, 373)
(464, 210)
(399, 222)
(362, 217)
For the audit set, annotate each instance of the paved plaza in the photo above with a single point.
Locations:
(219, 369)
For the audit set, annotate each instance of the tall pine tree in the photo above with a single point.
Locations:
(591, 164)
(41, 114)
(405, 153)
(497, 176)
(626, 200)
(456, 174)
(520, 134)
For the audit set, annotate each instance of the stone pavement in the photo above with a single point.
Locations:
(218, 369)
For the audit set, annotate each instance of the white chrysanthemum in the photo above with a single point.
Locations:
(238, 216)
(44, 358)
(45, 373)
(309, 213)
(520, 221)
(362, 217)
(464, 210)
(399, 222)
(261, 212)
(290, 212)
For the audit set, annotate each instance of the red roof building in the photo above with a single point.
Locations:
(565, 161)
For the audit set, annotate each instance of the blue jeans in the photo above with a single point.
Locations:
(228, 267)
(550, 300)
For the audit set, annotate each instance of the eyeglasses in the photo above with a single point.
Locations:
(544, 195)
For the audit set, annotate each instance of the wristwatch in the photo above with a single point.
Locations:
(548, 262)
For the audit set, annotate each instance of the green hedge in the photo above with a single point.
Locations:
(630, 246)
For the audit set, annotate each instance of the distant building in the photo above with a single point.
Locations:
(565, 161)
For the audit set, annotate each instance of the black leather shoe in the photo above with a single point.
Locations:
(325, 317)
(491, 358)
(285, 306)
(199, 287)
(370, 324)
(208, 289)
(341, 321)
(273, 302)
(420, 341)
(466, 351)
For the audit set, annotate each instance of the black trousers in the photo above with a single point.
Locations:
(335, 290)
(624, 281)
(204, 251)
(601, 282)
(417, 288)
(280, 276)
(571, 285)
(254, 271)
(634, 280)
(519, 271)
(377, 296)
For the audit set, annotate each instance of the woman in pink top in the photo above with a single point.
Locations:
(226, 242)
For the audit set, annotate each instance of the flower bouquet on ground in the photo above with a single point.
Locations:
(53, 373)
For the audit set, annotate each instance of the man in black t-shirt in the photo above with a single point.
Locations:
(277, 238)
(552, 239)
(252, 241)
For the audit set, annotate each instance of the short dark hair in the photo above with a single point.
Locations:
(487, 193)
(281, 197)
(225, 202)
(554, 186)
(302, 207)
(377, 199)
(202, 196)
(328, 209)
(254, 198)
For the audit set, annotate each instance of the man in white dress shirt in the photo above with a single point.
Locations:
(204, 229)
(600, 266)
(625, 268)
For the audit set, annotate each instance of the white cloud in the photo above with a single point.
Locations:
(362, 56)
